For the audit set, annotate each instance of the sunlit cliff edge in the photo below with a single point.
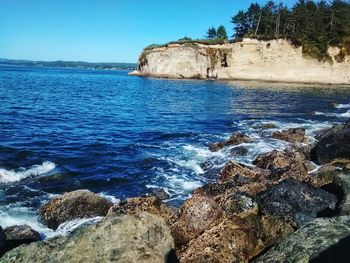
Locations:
(275, 60)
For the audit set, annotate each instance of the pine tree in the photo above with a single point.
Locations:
(211, 33)
(221, 33)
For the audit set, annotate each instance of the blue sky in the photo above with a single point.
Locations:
(104, 30)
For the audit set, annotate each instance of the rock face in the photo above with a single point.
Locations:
(298, 202)
(15, 236)
(275, 60)
(334, 144)
(141, 238)
(73, 205)
(295, 135)
(136, 205)
(314, 242)
(235, 139)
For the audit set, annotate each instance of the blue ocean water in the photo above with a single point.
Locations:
(122, 136)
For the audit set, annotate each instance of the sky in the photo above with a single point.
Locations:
(105, 30)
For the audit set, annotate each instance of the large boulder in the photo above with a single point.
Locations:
(15, 236)
(342, 181)
(233, 169)
(136, 205)
(235, 240)
(318, 241)
(298, 202)
(73, 205)
(334, 144)
(197, 215)
(294, 135)
(139, 238)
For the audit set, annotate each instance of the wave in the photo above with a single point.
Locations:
(7, 176)
(346, 114)
(342, 106)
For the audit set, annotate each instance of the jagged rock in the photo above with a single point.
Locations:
(297, 202)
(159, 193)
(342, 180)
(334, 144)
(73, 205)
(323, 176)
(136, 205)
(235, 240)
(235, 139)
(233, 169)
(239, 151)
(215, 147)
(23, 232)
(140, 238)
(284, 164)
(314, 242)
(294, 135)
(15, 236)
(265, 126)
(239, 204)
(198, 214)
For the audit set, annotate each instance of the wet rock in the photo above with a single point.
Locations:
(239, 151)
(233, 169)
(238, 138)
(73, 205)
(15, 236)
(136, 205)
(215, 147)
(235, 139)
(284, 164)
(197, 215)
(265, 126)
(235, 240)
(323, 176)
(23, 232)
(342, 180)
(139, 238)
(159, 193)
(294, 135)
(238, 204)
(313, 242)
(299, 203)
(334, 144)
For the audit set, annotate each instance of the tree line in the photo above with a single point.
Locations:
(314, 25)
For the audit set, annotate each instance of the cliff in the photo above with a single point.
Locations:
(276, 60)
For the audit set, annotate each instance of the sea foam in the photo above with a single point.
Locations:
(7, 176)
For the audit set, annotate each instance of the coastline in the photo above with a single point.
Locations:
(270, 61)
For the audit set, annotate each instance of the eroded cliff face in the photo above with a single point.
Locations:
(275, 60)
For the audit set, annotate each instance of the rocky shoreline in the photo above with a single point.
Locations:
(288, 206)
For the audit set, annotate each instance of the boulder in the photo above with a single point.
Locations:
(235, 240)
(298, 202)
(159, 193)
(233, 169)
(139, 238)
(265, 126)
(136, 205)
(23, 232)
(238, 151)
(322, 177)
(333, 144)
(198, 214)
(294, 135)
(15, 236)
(342, 180)
(235, 139)
(73, 205)
(318, 241)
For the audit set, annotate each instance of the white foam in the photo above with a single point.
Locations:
(7, 176)
(68, 227)
(111, 198)
(346, 114)
(342, 106)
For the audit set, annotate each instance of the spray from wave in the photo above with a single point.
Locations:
(7, 176)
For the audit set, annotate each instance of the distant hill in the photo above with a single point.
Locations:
(69, 64)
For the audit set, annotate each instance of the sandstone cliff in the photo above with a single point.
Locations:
(275, 60)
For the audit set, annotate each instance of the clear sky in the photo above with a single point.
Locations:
(105, 30)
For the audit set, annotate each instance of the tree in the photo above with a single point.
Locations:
(221, 32)
(211, 33)
(241, 24)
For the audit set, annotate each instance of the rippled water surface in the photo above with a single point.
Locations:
(121, 136)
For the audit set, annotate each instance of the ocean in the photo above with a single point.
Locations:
(121, 136)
